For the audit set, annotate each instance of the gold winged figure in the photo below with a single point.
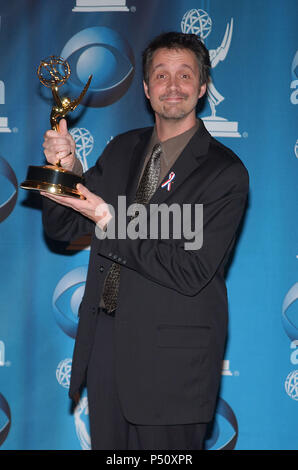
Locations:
(64, 105)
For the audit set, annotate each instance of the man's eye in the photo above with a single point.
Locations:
(185, 75)
(161, 76)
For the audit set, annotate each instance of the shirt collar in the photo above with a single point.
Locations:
(170, 146)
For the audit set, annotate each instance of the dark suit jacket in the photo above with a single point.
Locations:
(171, 319)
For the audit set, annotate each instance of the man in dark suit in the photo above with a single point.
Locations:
(153, 318)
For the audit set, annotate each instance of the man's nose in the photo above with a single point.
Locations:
(173, 82)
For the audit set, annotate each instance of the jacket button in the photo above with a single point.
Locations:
(110, 254)
(101, 268)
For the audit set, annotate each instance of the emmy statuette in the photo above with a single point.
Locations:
(53, 73)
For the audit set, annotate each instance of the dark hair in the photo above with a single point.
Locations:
(173, 40)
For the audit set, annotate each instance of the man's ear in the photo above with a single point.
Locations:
(146, 89)
(203, 90)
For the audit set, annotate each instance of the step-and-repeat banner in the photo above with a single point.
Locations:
(251, 108)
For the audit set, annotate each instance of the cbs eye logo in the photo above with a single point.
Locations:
(67, 297)
(103, 53)
(225, 429)
(6, 415)
(289, 312)
(7, 178)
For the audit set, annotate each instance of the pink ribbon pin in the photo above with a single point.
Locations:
(169, 181)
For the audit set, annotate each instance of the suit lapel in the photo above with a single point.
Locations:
(186, 163)
(137, 163)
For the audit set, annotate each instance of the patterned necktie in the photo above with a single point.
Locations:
(145, 191)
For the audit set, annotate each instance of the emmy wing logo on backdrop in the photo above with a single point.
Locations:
(81, 411)
(84, 144)
(291, 385)
(100, 5)
(199, 22)
(103, 53)
(81, 415)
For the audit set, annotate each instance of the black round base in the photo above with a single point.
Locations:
(52, 179)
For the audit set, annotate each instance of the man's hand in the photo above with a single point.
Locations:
(93, 206)
(60, 146)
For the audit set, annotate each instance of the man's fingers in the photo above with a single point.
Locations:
(93, 206)
(60, 146)
(68, 201)
(84, 191)
(64, 155)
(56, 141)
(64, 200)
(49, 134)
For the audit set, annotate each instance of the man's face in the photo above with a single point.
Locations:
(174, 84)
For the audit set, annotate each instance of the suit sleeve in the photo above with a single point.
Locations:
(167, 262)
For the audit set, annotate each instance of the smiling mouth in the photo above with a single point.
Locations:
(173, 99)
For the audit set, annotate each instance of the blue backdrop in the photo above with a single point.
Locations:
(252, 109)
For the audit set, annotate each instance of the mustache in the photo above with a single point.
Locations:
(173, 95)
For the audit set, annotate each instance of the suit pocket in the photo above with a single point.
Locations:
(183, 336)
